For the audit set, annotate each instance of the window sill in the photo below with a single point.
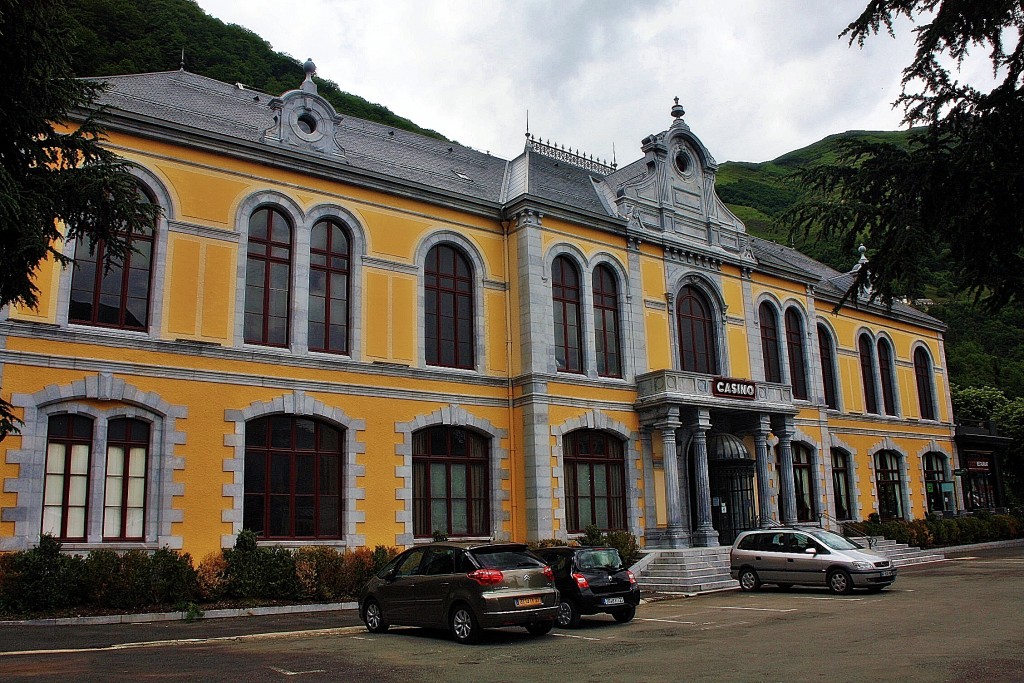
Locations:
(300, 543)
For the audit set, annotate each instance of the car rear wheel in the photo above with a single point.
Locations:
(624, 615)
(749, 581)
(539, 628)
(568, 614)
(839, 581)
(464, 626)
(374, 618)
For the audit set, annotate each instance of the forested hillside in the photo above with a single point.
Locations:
(137, 36)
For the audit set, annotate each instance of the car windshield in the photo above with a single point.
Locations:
(834, 541)
(607, 558)
(506, 559)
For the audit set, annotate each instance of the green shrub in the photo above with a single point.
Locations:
(174, 578)
(42, 579)
(383, 554)
(135, 579)
(592, 536)
(549, 543)
(626, 544)
(244, 571)
(318, 570)
(102, 577)
(357, 566)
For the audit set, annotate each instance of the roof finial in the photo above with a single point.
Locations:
(310, 68)
(527, 123)
(862, 261)
(677, 110)
(182, 65)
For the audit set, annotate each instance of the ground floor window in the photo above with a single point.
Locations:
(66, 483)
(450, 483)
(124, 498)
(889, 485)
(595, 481)
(934, 476)
(841, 485)
(803, 470)
(293, 478)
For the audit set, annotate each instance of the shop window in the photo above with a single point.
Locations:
(450, 482)
(769, 323)
(606, 322)
(565, 294)
(66, 481)
(268, 278)
(889, 485)
(925, 390)
(118, 295)
(124, 498)
(795, 353)
(448, 308)
(841, 485)
(697, 345)
(329, 263)
(293, 478)
(595, 481)
(867, 374)
(826, 352)
(887, 373)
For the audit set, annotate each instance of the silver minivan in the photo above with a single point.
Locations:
(808, 557)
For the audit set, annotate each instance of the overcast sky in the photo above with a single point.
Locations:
(757, 78)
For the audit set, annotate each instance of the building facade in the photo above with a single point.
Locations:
(343, 333)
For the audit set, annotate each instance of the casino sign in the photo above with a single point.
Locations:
(734, 388)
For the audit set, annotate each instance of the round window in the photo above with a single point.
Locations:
(306, 123)
(682, 162)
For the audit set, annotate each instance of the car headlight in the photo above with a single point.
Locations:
(862, 565)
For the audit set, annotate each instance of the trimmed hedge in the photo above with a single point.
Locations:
(935, 531)
(44, 580)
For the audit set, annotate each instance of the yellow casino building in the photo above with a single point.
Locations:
(347, 334)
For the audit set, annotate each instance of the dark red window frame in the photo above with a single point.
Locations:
(329, 261)
(925, 393)
(606, 322)
(127, 433)
(888, 379)
(449, 449)
(889, 485)
(841, 484)
(828, 367)
(795, 350)
(803, 483)
(695, 323)
(586, 450)
(269, 254)
(565, 294)
(934, 475)
(70, 430)
(293, 478)
(867, 374)
(769, 323)
(448, 308)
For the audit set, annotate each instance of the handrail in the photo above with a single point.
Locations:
(847, 527)
(770, 523)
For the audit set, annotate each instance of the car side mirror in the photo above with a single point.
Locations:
(810, 551)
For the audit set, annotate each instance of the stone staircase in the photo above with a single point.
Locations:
(690, 570)
(901, 554)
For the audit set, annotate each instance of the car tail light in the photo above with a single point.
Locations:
(581, 581)
(548, 574)
(487, 577)
(632, 577)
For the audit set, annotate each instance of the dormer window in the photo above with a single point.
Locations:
(306, 123)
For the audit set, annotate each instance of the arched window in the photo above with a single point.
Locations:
(934, 476)
(66, 484)
(268, 278)
(888, 377)
(293, 478)
(795, 352)
(867, 374)
(595, 481)
(329, 261)
(889, 485)
(124, 500)
(803, 473)
(841, 484)
(925, 392)
(117, 296)
(606, 322)
(826, 352)
(450, 483)
(448, 308)
(697, 346)
(769, 322)
(565, 294)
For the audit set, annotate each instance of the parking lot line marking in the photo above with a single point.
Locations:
(822, 597)
(296, 673)
(669, 621)
(568, 635)
(756, 609)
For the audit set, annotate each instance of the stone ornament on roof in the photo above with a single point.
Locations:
(305, 120)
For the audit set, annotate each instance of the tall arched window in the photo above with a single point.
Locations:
(803, 472)
(934, 476)
(827, 356)
(795, 353)
(66, 482)
(867, 374)
(117, 296)
(293, 478)
(124, 500)
(450, 483)
(565, 294)
(769, 322)
(925, 392)
(595, 481)
(448, 308)
(841, 484)
(889, 485)
(888, 376)
(329, 261)
(697, 346)
(268, 278)
(606, 322)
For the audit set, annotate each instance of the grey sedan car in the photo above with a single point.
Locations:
(464, 588)
(809, 557)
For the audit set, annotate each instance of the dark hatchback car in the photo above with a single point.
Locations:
(591, 581)
(462, 587)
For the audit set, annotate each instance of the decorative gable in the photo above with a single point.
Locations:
(305, 120)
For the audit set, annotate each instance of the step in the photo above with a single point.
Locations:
(721, 584)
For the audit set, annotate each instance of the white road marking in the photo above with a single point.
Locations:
(757, 609)
(567, 635)
(296, 673)
(820, 597)
(669, 621)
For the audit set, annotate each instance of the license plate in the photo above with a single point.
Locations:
(885, 572)
(528, 602)
(613, 601)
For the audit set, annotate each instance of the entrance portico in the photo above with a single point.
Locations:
(707, 469)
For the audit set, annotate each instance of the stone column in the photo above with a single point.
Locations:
(704, 534)
(787, 492)
(764, 491)
(676, 536)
